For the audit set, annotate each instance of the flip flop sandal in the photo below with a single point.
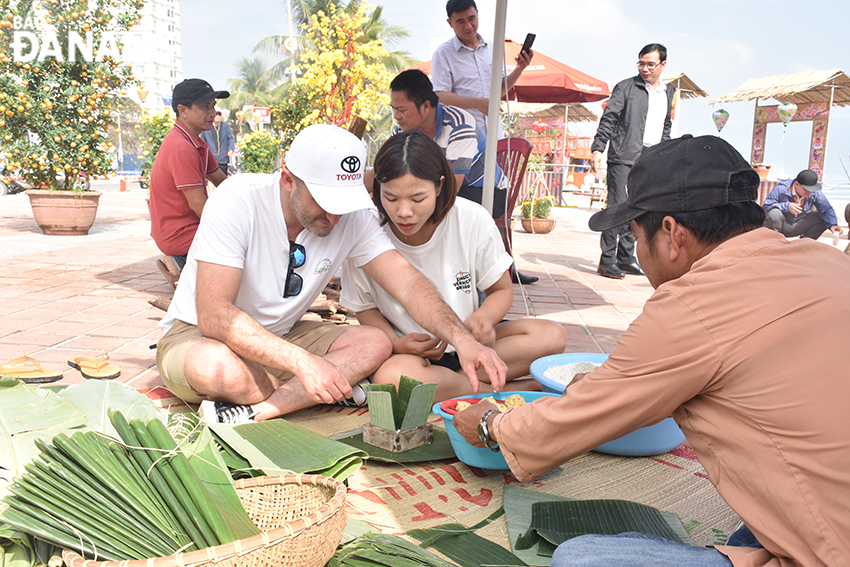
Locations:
(168, 275)
(95, 368)
(29, 370)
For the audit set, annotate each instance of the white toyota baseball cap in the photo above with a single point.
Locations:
(331, 162)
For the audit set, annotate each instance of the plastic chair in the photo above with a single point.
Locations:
(512, 156)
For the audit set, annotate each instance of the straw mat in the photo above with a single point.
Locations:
(395, 498)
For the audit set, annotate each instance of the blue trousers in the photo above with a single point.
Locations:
(634, 550)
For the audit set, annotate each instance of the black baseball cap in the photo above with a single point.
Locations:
(809, 180)
(192, 91)
(683, 174)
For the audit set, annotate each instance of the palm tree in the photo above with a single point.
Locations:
(256, 84)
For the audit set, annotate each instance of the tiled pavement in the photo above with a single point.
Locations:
(62, 297)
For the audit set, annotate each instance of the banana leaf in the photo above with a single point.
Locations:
(28, 413)
(95, 398)
(518, 504)
(462, 545)
(277, 446)
(408, 408)
(207, 462)
(15, 555)
(18, 549)
(439, 449)
(377, 550)
(382, 407)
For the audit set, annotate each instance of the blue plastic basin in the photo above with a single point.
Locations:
(652, 440)
(480, 457)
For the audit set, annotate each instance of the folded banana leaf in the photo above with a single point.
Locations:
(206, 459)
(276, 446)
(518, 503)
(408, 408)
(439, 449)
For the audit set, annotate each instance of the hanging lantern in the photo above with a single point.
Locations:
(539, 126)
(786, 111)
(720, 117)
(239, 115)
(143, 93)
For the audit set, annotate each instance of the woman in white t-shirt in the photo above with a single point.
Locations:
(456, 245)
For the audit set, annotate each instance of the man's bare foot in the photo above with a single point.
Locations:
(172, 267)
(167, 274)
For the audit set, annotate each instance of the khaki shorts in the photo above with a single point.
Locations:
(315, 337)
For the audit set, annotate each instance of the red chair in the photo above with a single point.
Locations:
(512, 156)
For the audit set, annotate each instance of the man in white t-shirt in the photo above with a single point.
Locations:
(266, 247)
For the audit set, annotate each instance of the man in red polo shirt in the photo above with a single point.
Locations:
(180, 172)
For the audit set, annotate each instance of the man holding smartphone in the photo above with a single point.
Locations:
(460, 74)
(460, 68)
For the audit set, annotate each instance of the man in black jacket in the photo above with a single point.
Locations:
(637, 116)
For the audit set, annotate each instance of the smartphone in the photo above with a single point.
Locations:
(529, 40)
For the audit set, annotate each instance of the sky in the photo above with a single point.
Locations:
(719, 44)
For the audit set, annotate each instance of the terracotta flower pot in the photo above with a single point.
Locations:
(64, 213)
(538, 226)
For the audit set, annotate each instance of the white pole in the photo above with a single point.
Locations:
(289, 13)
(828, 121)
(495, 98)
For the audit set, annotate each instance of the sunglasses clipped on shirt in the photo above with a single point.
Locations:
(294, 282)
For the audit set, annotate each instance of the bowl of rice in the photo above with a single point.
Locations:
(480, 457)
(554, 374)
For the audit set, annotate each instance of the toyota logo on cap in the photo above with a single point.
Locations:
(350, 164)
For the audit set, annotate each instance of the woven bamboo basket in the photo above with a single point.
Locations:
(302, 518)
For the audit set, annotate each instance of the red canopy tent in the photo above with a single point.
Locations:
(547, 80)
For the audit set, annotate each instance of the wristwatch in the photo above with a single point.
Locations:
(484, 432)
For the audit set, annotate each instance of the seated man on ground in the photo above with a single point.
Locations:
(416, 107)
(455, 243)
(738, 343)
(798, 207)
(265, 248)
(180, 172)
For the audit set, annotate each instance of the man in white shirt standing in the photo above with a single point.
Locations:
(460, 74)
(460, 68)
(638, 115)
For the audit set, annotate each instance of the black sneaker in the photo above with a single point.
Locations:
(358, 396)
(225, 412)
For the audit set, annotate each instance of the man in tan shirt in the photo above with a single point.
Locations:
(743, 343)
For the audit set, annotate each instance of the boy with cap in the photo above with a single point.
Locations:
(180, 172)
(266, 247)
(797, 207)
(738, 343)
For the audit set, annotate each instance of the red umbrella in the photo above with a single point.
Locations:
(548, 80)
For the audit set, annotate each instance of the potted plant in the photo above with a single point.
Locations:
(534, 214)
(60, 74)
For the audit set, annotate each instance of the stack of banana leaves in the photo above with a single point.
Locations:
(69, 474)
(137, 498)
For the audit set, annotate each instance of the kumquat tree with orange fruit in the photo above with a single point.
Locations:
(60, 77)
